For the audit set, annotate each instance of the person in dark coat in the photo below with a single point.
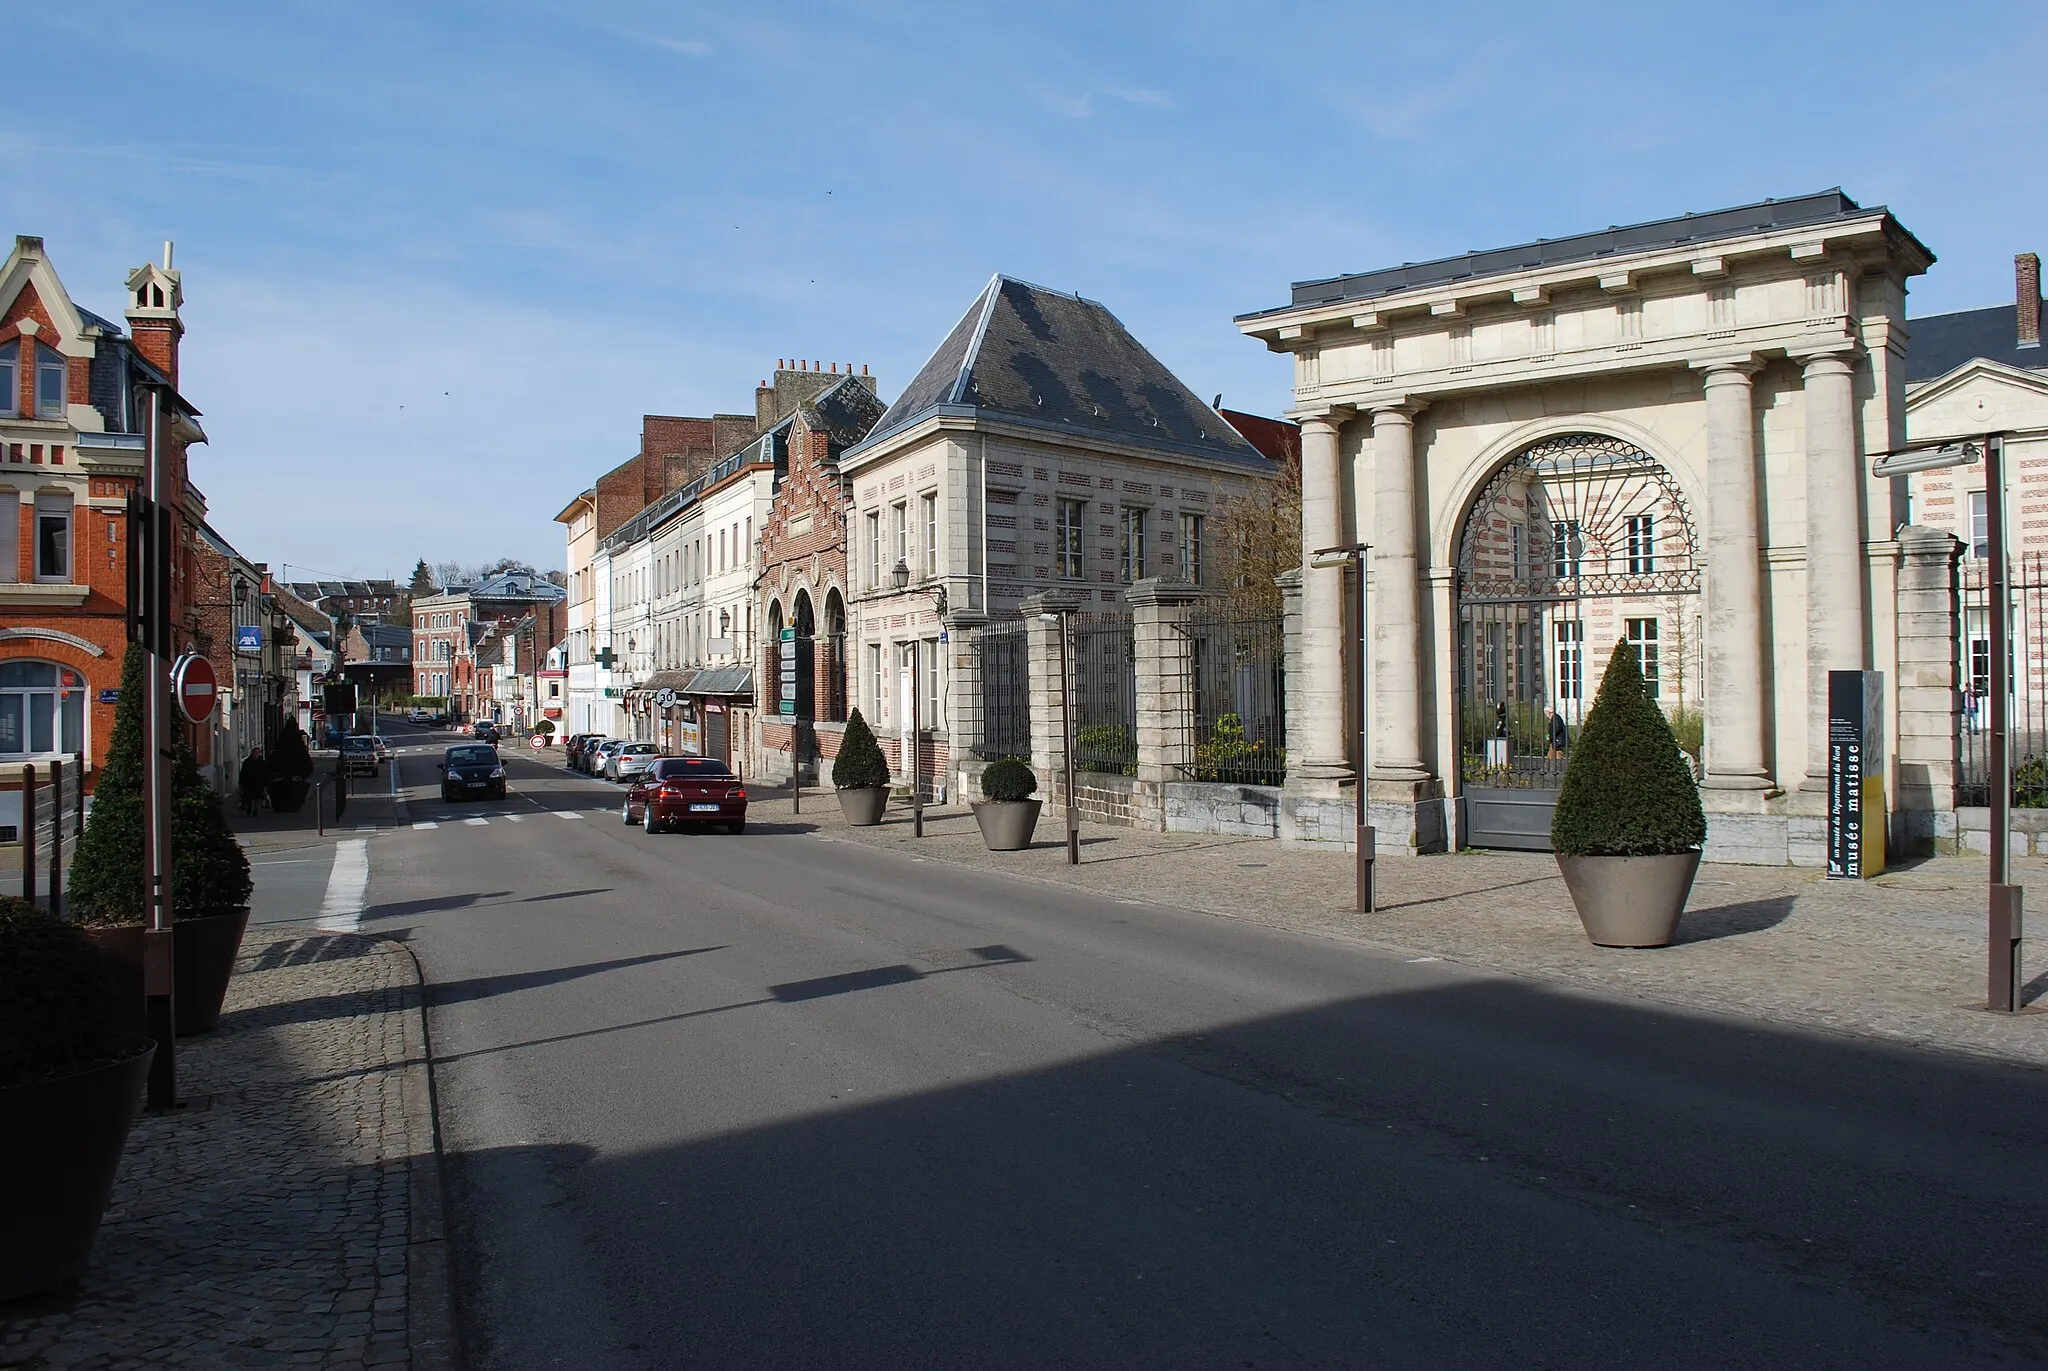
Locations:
(254, 780)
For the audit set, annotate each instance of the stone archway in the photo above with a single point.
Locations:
(1578, 545)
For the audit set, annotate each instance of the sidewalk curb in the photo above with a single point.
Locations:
(430, 1326)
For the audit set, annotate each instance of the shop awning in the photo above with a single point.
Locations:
(722, 680)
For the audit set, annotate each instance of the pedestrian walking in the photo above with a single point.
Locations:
(253, 780)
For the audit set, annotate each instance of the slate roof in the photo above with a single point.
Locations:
(845, 414)
(1741, 221)
(1043, 358)
(1942, 342)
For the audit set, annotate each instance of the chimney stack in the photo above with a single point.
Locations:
(155, 297)
(2026, 270)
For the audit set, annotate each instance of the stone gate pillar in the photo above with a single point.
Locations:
(963, 700)
(1928, 703)
(1042, 670)
(1165, 693)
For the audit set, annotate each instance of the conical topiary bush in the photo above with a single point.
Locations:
(210, 871)
(860, 773)
(860, 764)
(107, 877)
(1628, 825)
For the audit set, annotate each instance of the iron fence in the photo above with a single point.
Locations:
(2026, 683)
(1105, 670)
(1003, 650)
(1237, 674)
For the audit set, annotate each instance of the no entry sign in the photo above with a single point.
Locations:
(194, 688)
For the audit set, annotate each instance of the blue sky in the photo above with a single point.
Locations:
(439, 258)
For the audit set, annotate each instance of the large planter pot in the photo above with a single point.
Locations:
(1006, 824)
(1630, 901)
(203, 952)
(863, 807)
(58, 1154)
(288, 794)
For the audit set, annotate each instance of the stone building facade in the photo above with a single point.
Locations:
(1041, 448)
(1740, 366)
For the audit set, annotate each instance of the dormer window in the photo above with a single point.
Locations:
(49, 383)
(10, 378)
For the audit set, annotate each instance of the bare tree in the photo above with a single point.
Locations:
(1256, 536)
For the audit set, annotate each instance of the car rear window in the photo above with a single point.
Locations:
(640, 749)
(359, 744)
(683, 768)
(471, 756)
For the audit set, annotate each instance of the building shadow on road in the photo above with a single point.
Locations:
(1485, 1173)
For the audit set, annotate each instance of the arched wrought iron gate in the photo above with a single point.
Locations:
(1577, 545)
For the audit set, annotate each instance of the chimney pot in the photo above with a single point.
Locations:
(835, 368)
(167, 254)
(863, 368)
(2026, 270)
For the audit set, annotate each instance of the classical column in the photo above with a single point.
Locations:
(1735, 645)
(1834, 539)
(1396, 601)
(1321, 736)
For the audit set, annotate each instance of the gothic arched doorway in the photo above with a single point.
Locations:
(1578, 545)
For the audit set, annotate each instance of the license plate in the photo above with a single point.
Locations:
(703, 809)
(476, 785)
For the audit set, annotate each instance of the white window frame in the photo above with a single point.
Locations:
(55, 366)
(1642, 635)
(1073, 519)
(928, 506)
(900, 512)
(874, 549)
(47, 509)
(57, 693)
(10, 379)
(1563, 565)
(1642, 544)
(1191, 547)
(877, 687)
(1980, 524)
(1569, 684)
(1131, 543)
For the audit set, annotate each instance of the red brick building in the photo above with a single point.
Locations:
(802, 586)
(74, 402)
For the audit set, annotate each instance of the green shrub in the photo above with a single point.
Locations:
(860, 764)
(545, 727)
(1110, 748)
(1228, 756)
(290, 758)
(210, 871)
(61, 1003)
(1008, 779)
(2030, 784)
(1627, 791)
(1689, 727)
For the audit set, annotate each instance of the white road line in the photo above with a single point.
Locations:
(366, 828)
(347, 883)
(517, 818)
(426, 823)
(478, 822)
(563, 813)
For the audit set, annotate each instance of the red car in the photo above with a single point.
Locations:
(687, 790)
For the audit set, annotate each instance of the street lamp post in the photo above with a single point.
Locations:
(2004, 923)
(1365, 837)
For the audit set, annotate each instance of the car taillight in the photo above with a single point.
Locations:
(670, 792)
(735, 794)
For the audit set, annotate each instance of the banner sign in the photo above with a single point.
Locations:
(1857, 809)
(249, 638)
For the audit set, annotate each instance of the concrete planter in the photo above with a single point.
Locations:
(58, 1155)
(863, 806)
(1006, 824)
(1630, 901)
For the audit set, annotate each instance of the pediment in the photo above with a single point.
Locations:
(1980, 396)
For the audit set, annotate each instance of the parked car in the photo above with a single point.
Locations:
(359, 755)
(382, 746)
(438, 721)
(419, 716)
(594, 760)
(572, 750)
(680, 791)
(472, 770)
(630, 761)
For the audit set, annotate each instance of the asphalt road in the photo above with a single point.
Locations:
(778, 1100)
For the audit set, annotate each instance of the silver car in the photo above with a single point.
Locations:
(630, 760)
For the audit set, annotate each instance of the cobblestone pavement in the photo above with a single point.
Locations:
(290, 1214)
(1900, 958)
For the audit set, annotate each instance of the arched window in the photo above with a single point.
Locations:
(42, 709)
(835, 656)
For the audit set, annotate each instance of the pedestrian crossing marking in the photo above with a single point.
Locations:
(565, 814)
(426, 823)
(517, 818)
(478, 822)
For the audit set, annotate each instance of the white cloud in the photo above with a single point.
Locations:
(1142, 95)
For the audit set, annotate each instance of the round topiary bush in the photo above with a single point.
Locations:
(860, 764)
(1627, 790)
(61, 1006)
(1008, 779)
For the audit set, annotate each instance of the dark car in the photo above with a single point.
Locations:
(472, 769)
(572, 751)
(680, 791)
(438, 721)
